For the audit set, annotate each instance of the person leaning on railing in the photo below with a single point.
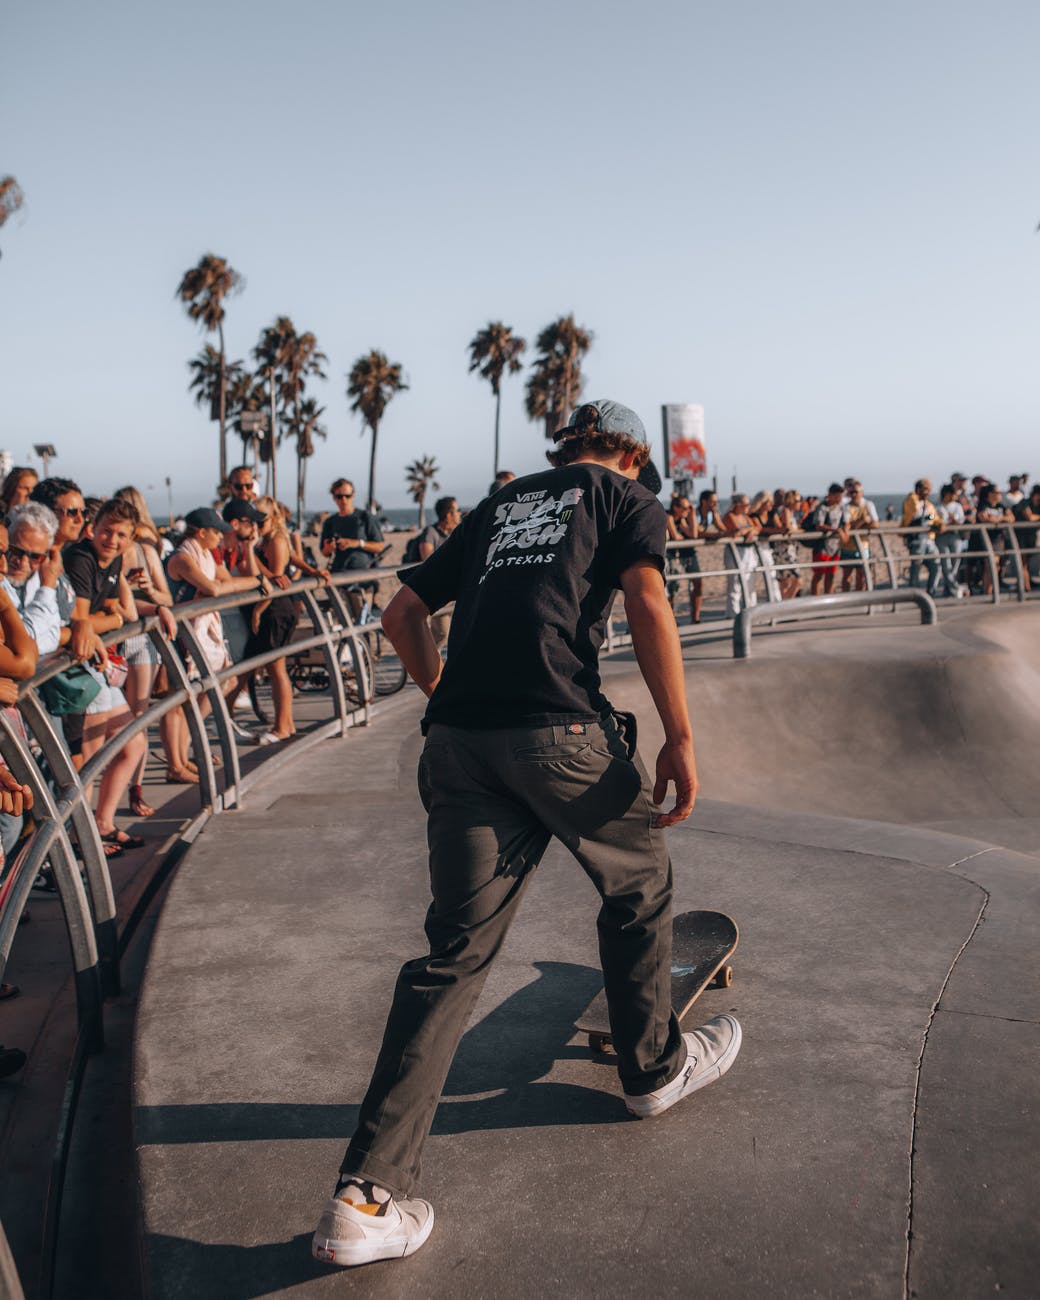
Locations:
(144, 573)
(995, 516)
(104, 603)
(195, 574)
(742, 530)
(1028, 512)
(920, 513)
(18, 658)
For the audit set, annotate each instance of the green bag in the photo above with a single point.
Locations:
(69, 691)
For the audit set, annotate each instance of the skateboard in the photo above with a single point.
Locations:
(702, 944)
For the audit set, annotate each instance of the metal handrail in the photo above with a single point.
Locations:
(89, 912)
(790, 611)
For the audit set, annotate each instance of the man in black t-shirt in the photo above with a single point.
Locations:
(351, 538)
(522, 745)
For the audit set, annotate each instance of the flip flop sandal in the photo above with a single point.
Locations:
(138, 806)
(122, 840)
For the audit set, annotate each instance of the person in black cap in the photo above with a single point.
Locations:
(522, 745)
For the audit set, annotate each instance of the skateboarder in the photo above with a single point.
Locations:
(522, 745)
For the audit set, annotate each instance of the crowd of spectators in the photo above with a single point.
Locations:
(947, 552)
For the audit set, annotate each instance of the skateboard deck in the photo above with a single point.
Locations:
(702, 944)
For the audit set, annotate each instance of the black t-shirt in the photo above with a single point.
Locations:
(1026, 536)
(533, 571)
(357, 526)
(88, 578)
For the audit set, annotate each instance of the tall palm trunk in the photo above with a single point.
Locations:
(272, 464)
(372, 467)
(498, 411)
(222, 409)
(300, 461)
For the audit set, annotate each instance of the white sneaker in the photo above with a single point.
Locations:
(710, 1051)
(346, 1236)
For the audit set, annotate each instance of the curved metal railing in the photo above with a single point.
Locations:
(66, 833)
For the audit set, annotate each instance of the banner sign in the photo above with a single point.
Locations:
(685, 451)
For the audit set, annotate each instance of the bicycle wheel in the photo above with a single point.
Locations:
(388, 673)
(351, 687)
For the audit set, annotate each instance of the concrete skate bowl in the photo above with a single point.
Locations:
(930, 726)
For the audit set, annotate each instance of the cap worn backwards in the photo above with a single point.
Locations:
(602, 416)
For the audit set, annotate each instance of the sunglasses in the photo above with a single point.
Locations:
(241, 487)
(343, 496)
(69, 512)
(17, 553)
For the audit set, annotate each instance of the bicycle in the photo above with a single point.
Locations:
(308, 671)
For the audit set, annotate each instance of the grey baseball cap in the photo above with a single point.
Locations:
(603, 416)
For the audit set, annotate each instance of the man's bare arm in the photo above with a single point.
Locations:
(406, 624)
(659, 654)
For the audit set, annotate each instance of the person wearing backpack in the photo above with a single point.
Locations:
(449, 516)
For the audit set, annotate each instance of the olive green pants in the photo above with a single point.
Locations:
(495, 799)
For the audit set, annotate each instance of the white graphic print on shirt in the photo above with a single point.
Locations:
(535, 519)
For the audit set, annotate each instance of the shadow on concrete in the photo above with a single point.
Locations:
(505, 1053)
(240, 1272)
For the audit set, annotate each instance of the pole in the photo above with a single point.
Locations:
(272, 476)
(169, 497)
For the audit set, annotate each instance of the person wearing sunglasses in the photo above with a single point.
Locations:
(242, 484)
(351, 538)
(33, 572)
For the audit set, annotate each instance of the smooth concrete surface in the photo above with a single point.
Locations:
(877, 1134)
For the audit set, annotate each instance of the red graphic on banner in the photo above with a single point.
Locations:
(687, 458)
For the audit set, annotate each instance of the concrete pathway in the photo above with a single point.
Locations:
(876, 1137)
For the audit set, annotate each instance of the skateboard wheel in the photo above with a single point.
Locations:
(599, 1042)
(725, 977)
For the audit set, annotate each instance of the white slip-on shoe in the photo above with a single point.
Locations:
(346, 1236)
(710, 1051)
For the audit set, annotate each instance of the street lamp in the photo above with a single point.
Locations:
(45, 451)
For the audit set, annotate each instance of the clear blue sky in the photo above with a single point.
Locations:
(815, 218)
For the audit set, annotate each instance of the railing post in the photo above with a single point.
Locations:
(209, 685)
(1013, 546)
(991, 561)
(330, 650)
(86, 932)
(72, 795)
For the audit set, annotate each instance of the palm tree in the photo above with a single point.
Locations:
(420, 475)
(206, 368)
(495, 350)
(556, 381)
(287, 360)
(11, 197)
(371, 383)
(305, 426)
(203, 290)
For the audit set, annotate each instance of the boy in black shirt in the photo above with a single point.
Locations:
(522, 745)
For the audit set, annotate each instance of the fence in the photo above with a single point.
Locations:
(65, 830)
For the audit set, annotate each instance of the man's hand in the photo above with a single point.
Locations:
(50, 569)
(83, 640)
(281, 580)
(676, 764)
(8, 691)
(14, 797)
